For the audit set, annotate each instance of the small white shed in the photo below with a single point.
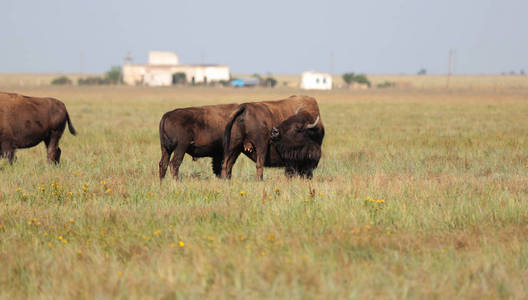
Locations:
(316, 81)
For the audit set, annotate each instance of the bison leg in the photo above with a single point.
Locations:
(217, 165)
(164, 162)
(306, 174)
(10, 156)
(261, 158)
(229, 160)
(177, 160)
(7, 151)
(52, 145)
(290, 172)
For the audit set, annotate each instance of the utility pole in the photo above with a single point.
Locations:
(451, 65)
(128, 58)
(331, 63)
(454, 61)
(81, 63)
(332, 67)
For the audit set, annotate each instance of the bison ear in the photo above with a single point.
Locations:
(275, 132)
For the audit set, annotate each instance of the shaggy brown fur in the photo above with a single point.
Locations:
(27, 121)
(298, 141)
(248, 131)
(197, 131)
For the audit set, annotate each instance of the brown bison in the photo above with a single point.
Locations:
(298, 142)
(27, 121)
(249, 129)
(197, 131)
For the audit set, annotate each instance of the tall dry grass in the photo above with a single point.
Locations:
(419, 194)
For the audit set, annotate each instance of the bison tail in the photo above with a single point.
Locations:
(165, 141)
(70, 125)
(229, 126)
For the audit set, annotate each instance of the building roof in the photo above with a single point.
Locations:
(176, 66)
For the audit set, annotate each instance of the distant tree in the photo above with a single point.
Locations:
(267, 81)
(362, 78)
(422, 71)
(179, 78)
(224, 83)
(114, 75)
(94, 80)
(386, 84)
(522, 72)
(62, 80)
(348, 78)
(270, 82)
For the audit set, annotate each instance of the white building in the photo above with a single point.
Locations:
(316, 81)
(162, 66)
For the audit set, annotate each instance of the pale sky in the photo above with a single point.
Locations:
(376, 36)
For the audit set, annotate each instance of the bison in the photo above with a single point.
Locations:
(197, 131)
(27, 121)
(298, 142)
(249, 127)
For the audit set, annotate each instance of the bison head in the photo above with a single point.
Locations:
(298, 142)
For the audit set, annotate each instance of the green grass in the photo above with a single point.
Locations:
(419, 194)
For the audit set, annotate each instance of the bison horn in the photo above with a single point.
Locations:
(298, 109)
(310, 126)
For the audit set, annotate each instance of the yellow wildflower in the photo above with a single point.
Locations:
(181, 244)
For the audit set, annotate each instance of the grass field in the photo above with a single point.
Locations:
(419, 194)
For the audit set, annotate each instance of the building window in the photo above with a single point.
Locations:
(317, 80)
(324, 80)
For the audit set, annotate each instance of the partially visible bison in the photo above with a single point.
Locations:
(249, 127)
(197, 131)
(298, 142)
(27, 121)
